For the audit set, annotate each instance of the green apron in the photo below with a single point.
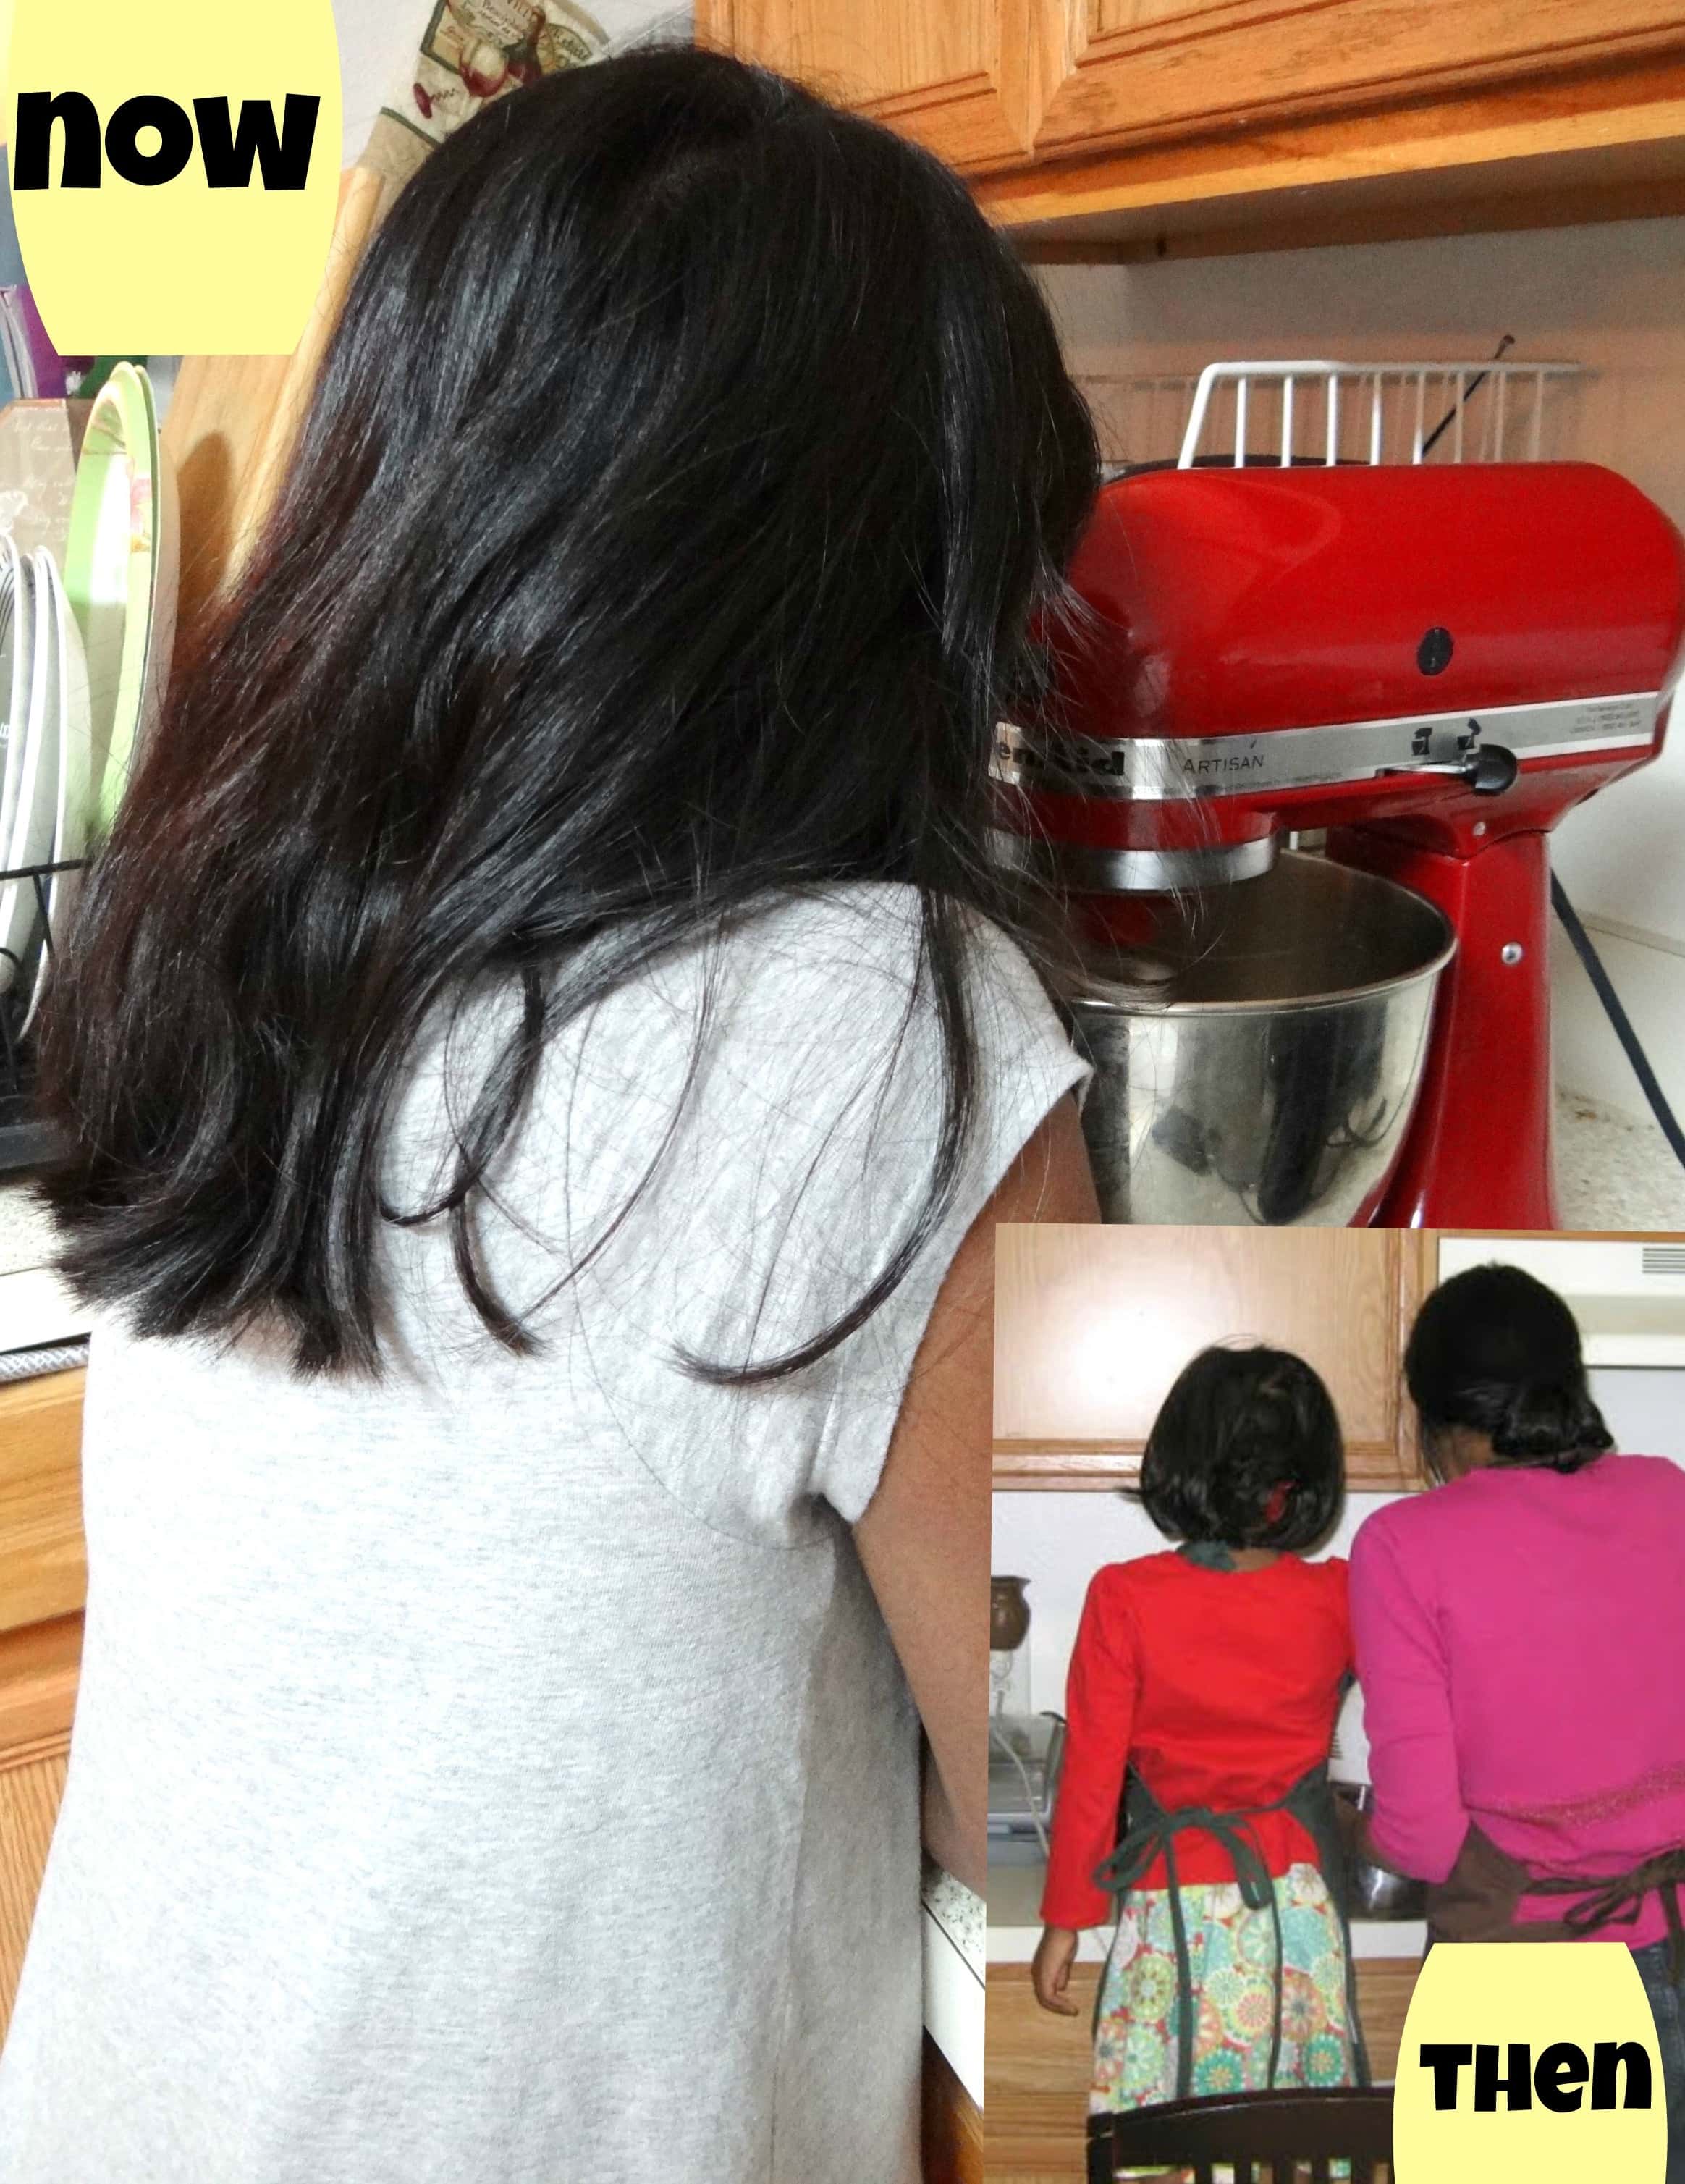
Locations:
(1149, 1831)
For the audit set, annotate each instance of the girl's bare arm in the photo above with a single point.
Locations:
(924, 1538)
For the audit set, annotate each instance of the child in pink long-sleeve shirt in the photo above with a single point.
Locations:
(1519, 1633)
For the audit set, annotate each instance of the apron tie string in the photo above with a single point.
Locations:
(1151, 1833)
(1617, 1900)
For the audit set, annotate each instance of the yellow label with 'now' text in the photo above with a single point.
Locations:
(175, 171)
(1529, 2063)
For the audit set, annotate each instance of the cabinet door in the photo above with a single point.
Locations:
(953, 2132)
(1119, 71)
(28, 1805)
(954, 75)
(44, 1565)
(1091, 1326)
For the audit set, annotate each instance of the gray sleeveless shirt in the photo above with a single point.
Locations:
(500, 1773)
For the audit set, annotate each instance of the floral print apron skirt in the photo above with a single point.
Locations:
(1231, 1957)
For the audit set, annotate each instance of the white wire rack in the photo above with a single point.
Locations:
(1323, 411)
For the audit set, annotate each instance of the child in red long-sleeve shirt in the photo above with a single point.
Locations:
(1212, 1675)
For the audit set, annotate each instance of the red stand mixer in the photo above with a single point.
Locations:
(1432, 663)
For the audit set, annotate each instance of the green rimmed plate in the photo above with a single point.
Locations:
(17, 643)
(119, 575)
(37, 790)
(68, 724)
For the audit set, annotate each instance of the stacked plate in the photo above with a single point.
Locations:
(46, 761)
(120, 570)
(83, 658)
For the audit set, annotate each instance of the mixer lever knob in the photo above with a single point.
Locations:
(1491, 769)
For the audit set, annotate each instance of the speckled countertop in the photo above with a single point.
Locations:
(1613, 1171)
(955, 1948)
(959, 1914)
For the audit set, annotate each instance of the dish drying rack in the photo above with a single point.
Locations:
(1321, 410)
(25, 1139)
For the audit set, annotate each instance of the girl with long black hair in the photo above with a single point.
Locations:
(541, 1055)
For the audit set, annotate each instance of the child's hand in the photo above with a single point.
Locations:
(1050, 1972)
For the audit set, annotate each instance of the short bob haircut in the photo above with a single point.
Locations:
(1496, 1352)
(1246, 1451)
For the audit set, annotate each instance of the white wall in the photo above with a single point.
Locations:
(1612, 298)
(377, 40)
(1645, 1410)
(1059, 1541)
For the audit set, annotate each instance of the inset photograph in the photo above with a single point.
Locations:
(1331, 1571)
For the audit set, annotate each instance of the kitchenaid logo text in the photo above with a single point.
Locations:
(149, 141)
(1560, 2079)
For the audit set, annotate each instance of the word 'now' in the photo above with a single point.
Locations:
(280, 151)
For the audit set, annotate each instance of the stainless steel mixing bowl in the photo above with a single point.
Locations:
(1262, 1068)
(1374, 1892)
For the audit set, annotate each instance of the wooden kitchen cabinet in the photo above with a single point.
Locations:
(1036, 2082)
(956, 76)
(952, 2125)
(1092, 1325)
(29, 1791)
(1123, 128)
(1134, 70)
(43, 1578)
(43, 1569)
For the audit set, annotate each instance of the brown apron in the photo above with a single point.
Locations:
(1480, 1898)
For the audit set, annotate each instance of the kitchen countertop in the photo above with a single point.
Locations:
(954, 1956)
(1015, 1926)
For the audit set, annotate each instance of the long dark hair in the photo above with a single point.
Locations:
(1493, 1350)
(1246, 1451)
(664, 534)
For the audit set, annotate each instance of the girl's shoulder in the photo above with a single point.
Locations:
(1168, 1566)
(1650, 1477)
(1324, 1580)
(866, 941)
(1120, 1587)
(836, 990)
(1162, 1564)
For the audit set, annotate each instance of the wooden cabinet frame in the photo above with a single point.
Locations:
(1208, 65)
(43, 1578)
(1117, 130)
(976, 117)
(1389, 1461)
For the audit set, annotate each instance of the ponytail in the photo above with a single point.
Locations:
(1497, 1353)
(1552, 1423)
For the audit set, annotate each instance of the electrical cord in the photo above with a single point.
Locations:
(1037, 1817)
(1617, 1015)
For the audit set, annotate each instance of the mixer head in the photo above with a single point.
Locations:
(1454, 654)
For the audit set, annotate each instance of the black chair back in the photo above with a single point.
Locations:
(1286, 2136)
